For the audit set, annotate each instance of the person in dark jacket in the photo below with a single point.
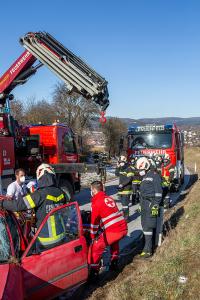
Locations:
(125, 174)
(136, 180)
(43, 200)
(166, 169)
(150, 199)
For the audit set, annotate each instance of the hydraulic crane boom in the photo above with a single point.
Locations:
(71, 69)
(18, 73)
(78, 76)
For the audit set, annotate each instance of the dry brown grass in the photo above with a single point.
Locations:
(192, 156)
(158, 278)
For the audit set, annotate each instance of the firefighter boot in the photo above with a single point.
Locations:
(125, 206)
(145, 255)
(126, 213)
(93, 275)
(167, 201)
(114, 266)
(147, 251)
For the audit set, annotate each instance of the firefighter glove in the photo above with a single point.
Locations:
(154, 210)
(120, 187)
(139, 209)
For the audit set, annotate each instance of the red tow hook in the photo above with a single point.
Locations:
(103, 118)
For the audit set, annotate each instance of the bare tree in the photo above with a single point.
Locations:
(17, 110)
(39, 112)
(73, 109)
(113, 129)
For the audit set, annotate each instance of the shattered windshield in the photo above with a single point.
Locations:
(5, 251)
(150, 140)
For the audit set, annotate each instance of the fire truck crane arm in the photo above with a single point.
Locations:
(78, 76)
(17, 74)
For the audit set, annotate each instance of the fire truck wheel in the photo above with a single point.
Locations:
(67, 188)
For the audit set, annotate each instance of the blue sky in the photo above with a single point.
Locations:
(148, 50)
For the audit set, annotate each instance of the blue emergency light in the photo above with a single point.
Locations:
(134, 129)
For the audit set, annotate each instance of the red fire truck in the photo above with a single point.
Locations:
(29, 146)
(160, 139)
(26, 271)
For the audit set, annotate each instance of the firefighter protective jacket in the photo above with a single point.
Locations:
(105, 216)
(125, 174)
(42, 201)
(136, 177)
(151, 187)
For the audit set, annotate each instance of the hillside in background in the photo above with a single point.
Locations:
(194, 121)
(182, 122)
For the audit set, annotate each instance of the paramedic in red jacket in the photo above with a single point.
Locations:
(108, 227)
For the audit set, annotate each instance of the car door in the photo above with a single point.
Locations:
(48, 272)
(10, 248)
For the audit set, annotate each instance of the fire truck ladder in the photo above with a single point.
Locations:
(78, 76)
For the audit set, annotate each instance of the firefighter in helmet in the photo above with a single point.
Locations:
(125, 184)
(167, 179)
(136, 180)
(166, 170)
(43, 200)
(150, 199)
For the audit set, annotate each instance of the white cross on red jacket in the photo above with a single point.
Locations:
(106, 216)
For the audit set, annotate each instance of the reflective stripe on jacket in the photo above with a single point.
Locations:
(106, 216)
(125, 174)
(53, 231)
(43, 201)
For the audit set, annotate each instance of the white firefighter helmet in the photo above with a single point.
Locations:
(122, 158)
(166, 156)
(44, 168)
(142, 163)
(157, 159)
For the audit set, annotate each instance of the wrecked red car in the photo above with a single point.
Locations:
(31, 272)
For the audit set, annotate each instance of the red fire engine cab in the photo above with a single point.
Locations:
(160, 139)
(29, 146)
